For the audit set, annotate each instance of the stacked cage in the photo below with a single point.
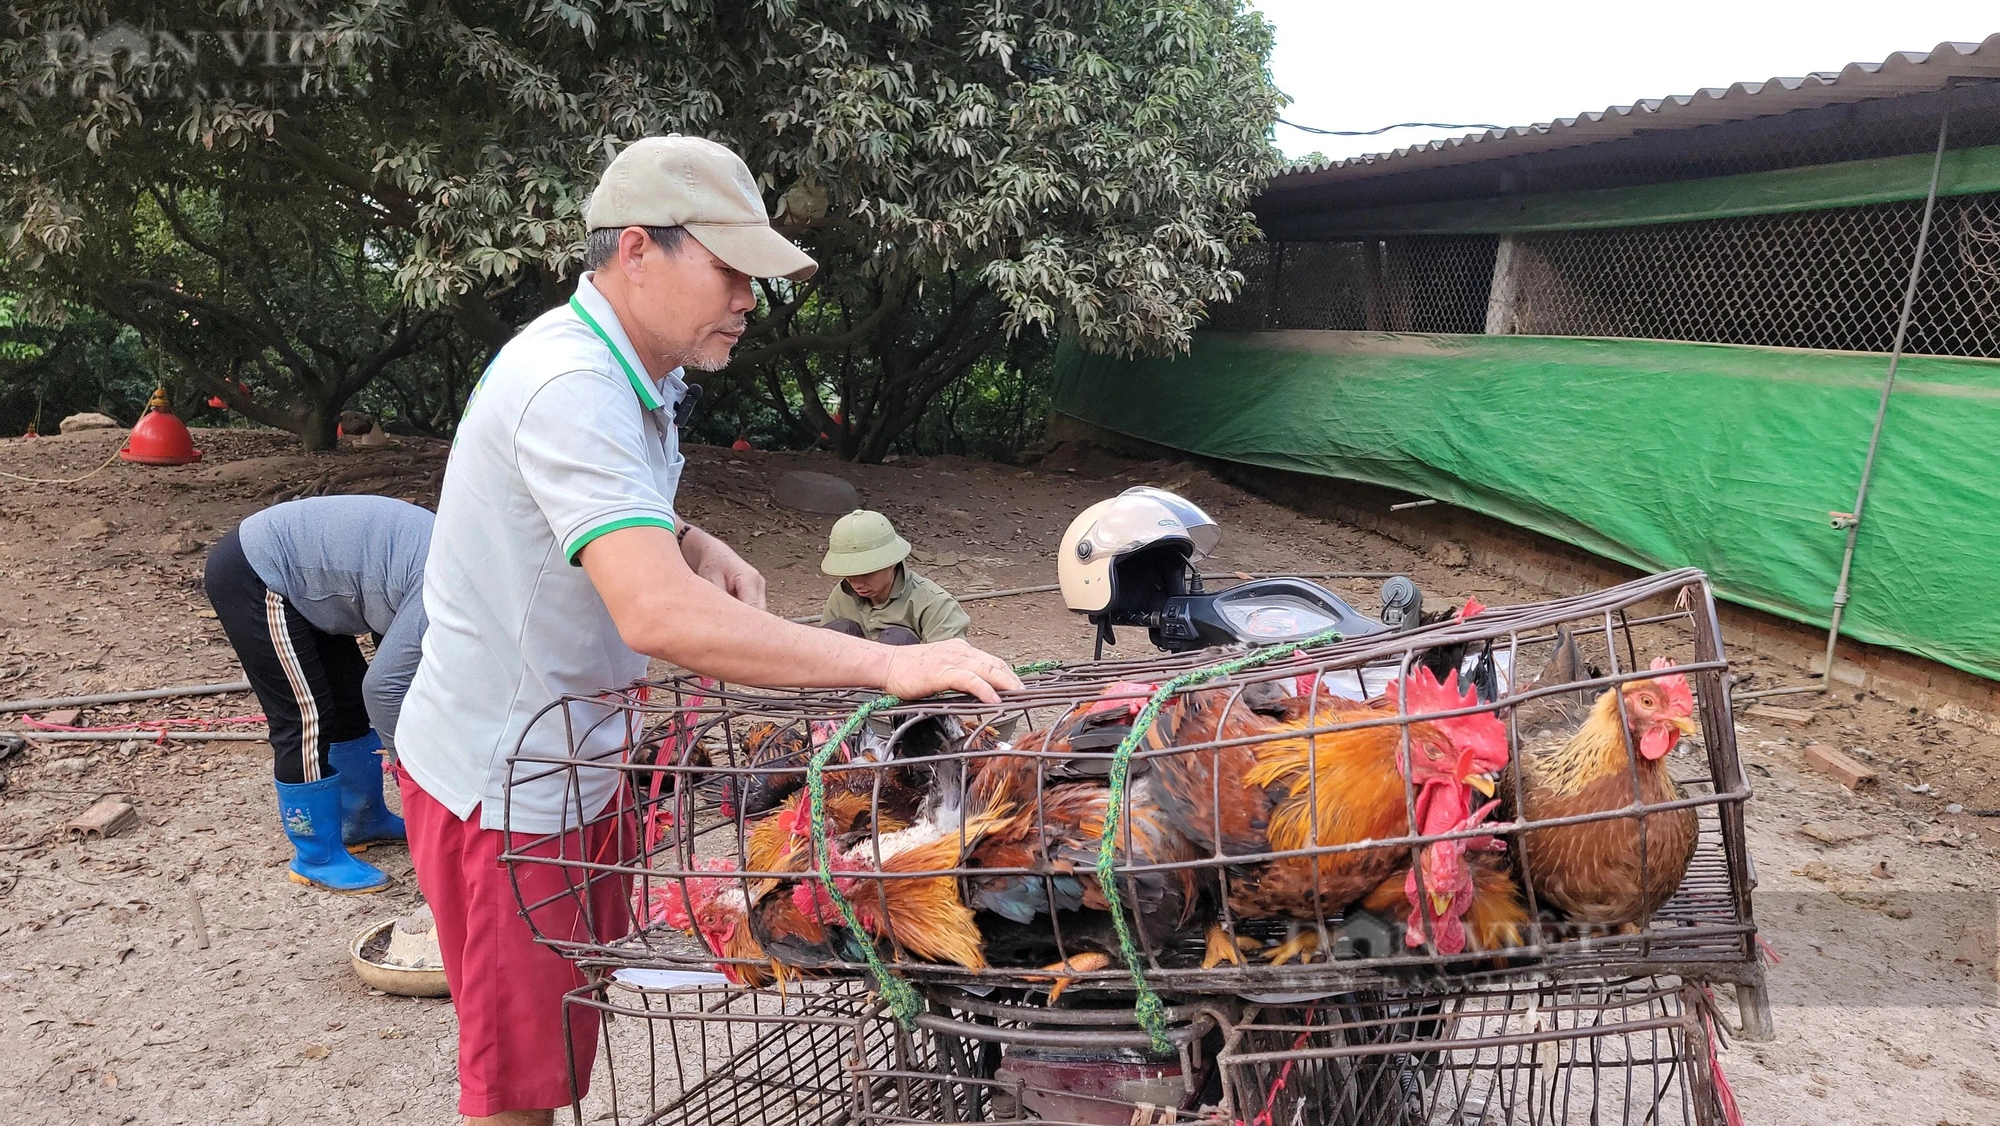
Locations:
(1486, 870)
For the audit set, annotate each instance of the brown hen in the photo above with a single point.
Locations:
(1597, 872)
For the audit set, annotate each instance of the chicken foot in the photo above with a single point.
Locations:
(1066, 970)
(1224, 947)
(1302, 946)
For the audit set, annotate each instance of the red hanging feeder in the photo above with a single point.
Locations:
(160, 438)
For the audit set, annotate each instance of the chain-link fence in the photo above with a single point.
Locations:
(1414, 284)
(1829, 279)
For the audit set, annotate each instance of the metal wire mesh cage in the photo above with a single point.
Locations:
(829, 1051)
(1636, 1051)
(719, 1054)
(1829, 278)
(1494, 1053)
(1195, 825)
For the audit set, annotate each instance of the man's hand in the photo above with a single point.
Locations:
(916, 671)
(713, 560)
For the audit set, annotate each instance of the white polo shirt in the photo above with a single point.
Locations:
(565, 439)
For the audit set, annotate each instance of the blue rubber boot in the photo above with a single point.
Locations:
(310, 812)
(364, 819)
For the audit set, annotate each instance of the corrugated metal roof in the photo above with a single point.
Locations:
(1905, 72)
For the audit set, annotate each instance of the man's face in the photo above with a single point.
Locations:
(875, 586)
(690, 305)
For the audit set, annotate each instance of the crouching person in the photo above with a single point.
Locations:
(292, 586)
(879, 597)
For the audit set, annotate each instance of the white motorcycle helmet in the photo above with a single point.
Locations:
(1108, 531)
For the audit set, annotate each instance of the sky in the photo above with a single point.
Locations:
(1361, 66)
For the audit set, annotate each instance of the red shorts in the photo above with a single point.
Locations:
(506, 987)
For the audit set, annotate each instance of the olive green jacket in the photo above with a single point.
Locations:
(915, 603)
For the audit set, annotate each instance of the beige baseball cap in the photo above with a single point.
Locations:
(690, 182)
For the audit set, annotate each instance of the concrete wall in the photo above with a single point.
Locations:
(1561, 569)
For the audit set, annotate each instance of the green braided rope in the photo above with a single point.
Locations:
(902, 999)
(1150, 1010)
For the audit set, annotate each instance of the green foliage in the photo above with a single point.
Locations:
(305, 198)
(17, 348)
(83, 362)
(996, 411)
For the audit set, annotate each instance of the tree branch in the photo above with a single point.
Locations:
(179, 223)
(475, 314)
(264, 334)
(793, 344)
(388, 202)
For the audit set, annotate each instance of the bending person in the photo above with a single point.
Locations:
(292, 586)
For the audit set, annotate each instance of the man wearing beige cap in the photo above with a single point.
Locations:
(558, 565)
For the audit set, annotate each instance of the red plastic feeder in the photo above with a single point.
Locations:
(160, 438)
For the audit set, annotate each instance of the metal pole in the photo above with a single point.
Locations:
(125, 697)
(1882, 407)
(142, 736)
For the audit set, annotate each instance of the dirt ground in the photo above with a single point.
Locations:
(1881, 906)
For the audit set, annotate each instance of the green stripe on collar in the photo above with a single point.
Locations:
(641, 386)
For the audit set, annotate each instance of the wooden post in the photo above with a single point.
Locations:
(1396, 286)
(1500, 297)
(1753, 1004)
(1375, 319)
(1274, 295)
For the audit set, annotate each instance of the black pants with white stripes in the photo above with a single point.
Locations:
(308, 681)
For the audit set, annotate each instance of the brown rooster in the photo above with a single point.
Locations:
(782, 842)
(1290, 792)
(1593, 871)
(919, 915)
(1470, 897)
(718, 908)
(792, 925)
(897, 779)
(768, 747)
(1060, 845)
(715, 909)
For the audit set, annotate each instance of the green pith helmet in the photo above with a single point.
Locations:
(861, 543)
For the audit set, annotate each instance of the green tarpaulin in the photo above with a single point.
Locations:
(1656, 454)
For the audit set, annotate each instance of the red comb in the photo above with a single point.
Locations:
(1482, 734)
(675, 895)
(1679, 698)
(1131, 697)
(798, 818)
(1472, 606)
(1427, 695)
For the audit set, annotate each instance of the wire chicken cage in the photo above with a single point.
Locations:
(1635, 1051)
(829, 1051)
(1514, 1051)
(1182, 832)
